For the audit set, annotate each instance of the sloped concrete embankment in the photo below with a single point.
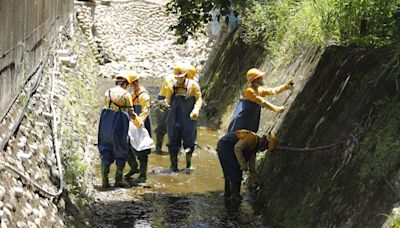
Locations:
(353, 98)
(341, 95)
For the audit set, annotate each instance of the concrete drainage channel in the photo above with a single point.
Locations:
(63, 106)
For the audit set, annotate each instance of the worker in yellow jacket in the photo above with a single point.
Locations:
(141, 104)
(184, 98)
(113, 130)
(237, 153)
(248, 110)
(161, 114)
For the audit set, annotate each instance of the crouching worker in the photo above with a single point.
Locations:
(184, 97)
(141, 105)
(113, 131)
(237, 152)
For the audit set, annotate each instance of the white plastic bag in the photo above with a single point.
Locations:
(139, 138)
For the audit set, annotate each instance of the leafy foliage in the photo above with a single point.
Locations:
(280, 25)
(293, 24)
(194, 14)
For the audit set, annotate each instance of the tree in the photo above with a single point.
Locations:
(194, 14)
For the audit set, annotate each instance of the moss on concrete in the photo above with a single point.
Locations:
(353, 91)
(222, 84)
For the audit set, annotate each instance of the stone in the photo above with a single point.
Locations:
(24, 156)
(31, 225)
(40, 124)
(2, 192)
(47, 115)
(34, 146)
(21, 224)
(18, 192)
(4, 223)
(7, 212)
(37, 221)
(36, 212)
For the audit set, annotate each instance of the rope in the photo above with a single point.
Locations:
(324, 147)
(4, 165)
(4, 142)
(352, 140)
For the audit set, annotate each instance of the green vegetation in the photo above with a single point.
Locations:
(396, 223)
(384, 141)
(292, 24)
(194, 14)
(281, 25)
(81, 99)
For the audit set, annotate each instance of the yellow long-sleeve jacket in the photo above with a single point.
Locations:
(188, 88)
(256, 95)
(247, 142)
(117, 99)
(168, 82)
(141, 96)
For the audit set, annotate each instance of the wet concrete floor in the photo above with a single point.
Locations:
(167, 199)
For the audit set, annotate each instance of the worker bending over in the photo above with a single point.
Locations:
(237, 153)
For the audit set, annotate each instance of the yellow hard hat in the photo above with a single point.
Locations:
(272, 141)
(253, 74)
(191, 72)
(131, 77)
(180, 71)
(125, 77)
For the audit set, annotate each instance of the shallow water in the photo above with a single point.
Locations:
(180, 199)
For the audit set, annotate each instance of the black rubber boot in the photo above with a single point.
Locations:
(235, 191)
(132, 164)
(105, 170)
(143, 171)
(189, 160)
(174, 162)
(159, 143)
(227, 192)
(119, 181)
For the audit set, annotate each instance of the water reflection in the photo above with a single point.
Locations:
(177, 199)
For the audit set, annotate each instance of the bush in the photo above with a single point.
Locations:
(293, 24)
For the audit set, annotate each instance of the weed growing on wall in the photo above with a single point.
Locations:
(282, 25)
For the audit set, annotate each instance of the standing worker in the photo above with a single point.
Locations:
(184, 97)
(141, 105)
(162, 113)
(113, 131)
(248, 110)
(237, 153)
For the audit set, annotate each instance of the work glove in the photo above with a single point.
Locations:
(279, 108)
(163, 105)
(290, 84)
(194, 115)
(138, 123)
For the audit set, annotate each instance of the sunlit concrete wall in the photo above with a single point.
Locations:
(27, 30)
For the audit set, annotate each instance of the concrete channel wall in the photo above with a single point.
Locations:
(27, 30)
